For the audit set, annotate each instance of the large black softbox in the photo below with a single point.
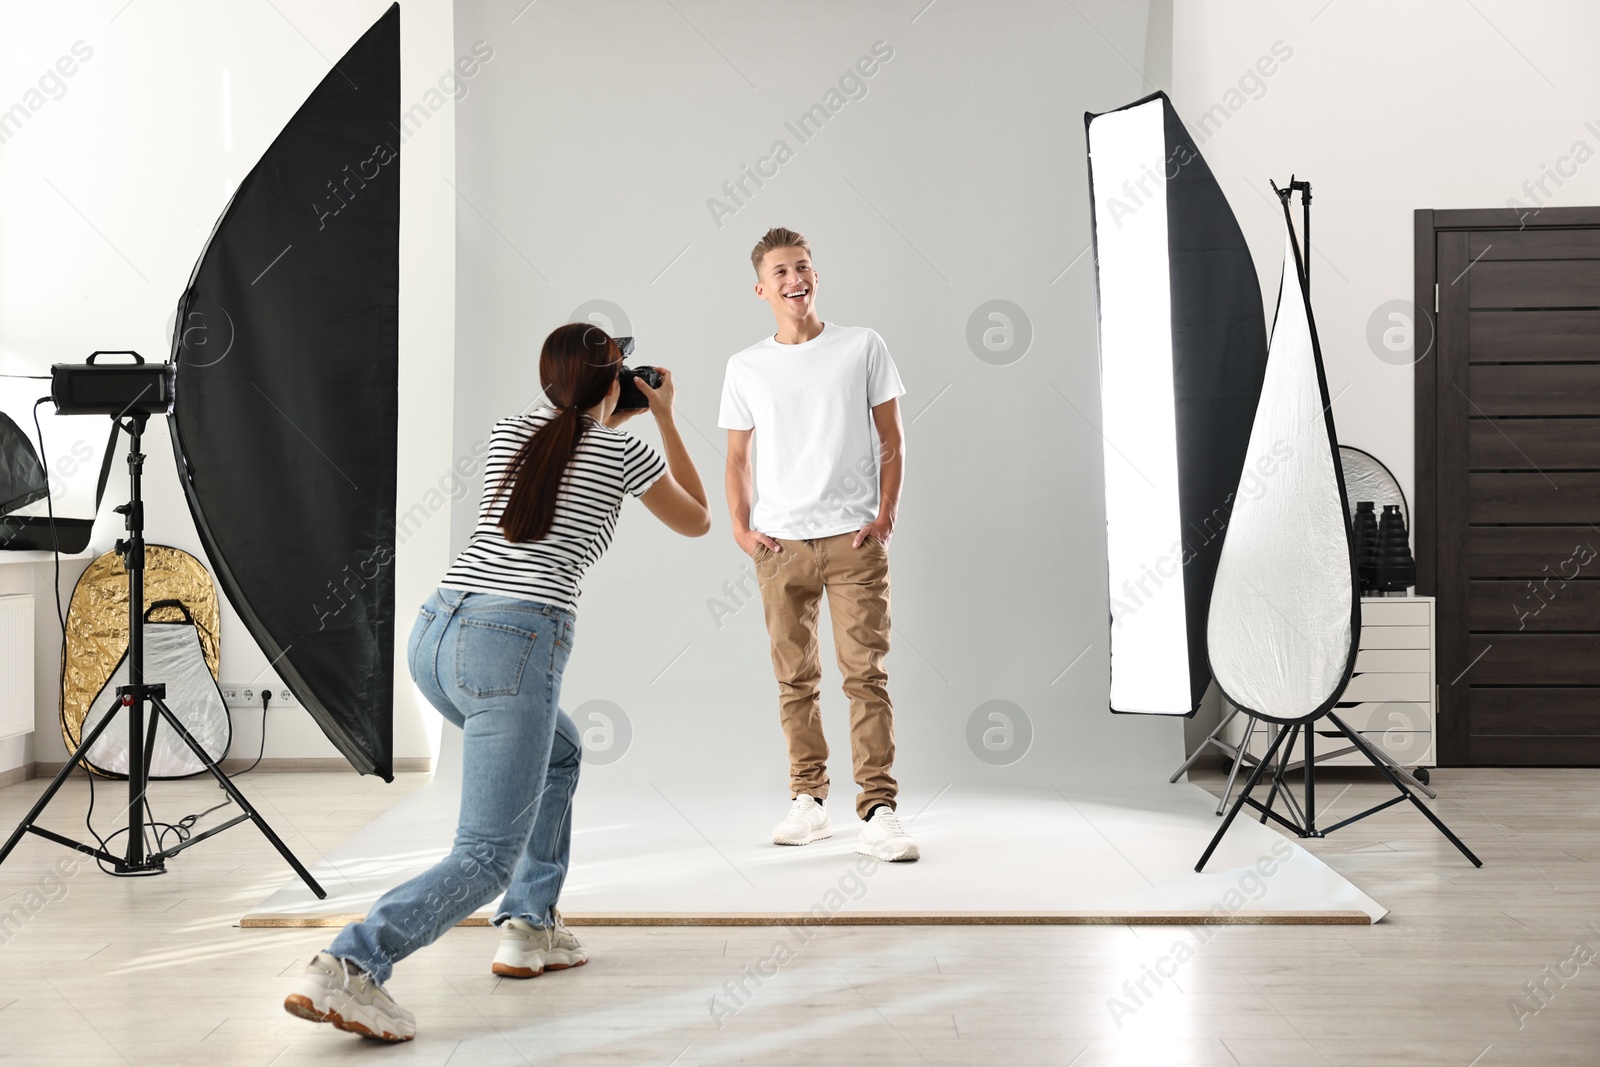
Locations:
(1182, 352)
(285, 422)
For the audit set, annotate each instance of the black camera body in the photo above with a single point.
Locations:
(632, 399)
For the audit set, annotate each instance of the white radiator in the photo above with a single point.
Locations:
(16, 665)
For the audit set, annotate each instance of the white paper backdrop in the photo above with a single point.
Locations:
(945, 200)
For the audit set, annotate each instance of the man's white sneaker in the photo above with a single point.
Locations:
(885, 838)
(806, 822)
(337, 992)
(527, 951)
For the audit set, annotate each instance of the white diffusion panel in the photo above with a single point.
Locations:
(1281, 627)
(1149, 642)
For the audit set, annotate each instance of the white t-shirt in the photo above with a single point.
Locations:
(815, 442)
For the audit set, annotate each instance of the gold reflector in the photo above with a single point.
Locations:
(97, 622)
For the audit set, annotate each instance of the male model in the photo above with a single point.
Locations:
(819, 402)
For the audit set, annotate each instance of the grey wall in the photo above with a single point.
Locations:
(588, 148)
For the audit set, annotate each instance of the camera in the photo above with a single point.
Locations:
(632, 399)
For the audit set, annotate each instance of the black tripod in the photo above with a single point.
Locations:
(131, 699)
(1307, 826)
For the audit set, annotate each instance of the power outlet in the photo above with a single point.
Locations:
(248, 695)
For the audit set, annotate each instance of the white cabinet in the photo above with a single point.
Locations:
(16, 665)
(1391, 696)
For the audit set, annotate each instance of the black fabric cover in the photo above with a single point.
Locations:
(1219, 356)
(22, 477)
(286, 415)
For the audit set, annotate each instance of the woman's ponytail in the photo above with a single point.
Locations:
(577, 366)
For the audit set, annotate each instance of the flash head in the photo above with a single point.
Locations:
(115, 389)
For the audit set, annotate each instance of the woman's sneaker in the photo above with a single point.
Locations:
(806, 822)
(335, 991)
(885, 838)
(527, 951)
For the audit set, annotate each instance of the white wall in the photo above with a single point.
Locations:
(587, 156)
(107, 195)
(1386, 107)
(969, 143)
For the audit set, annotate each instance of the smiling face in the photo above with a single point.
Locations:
(788, 282)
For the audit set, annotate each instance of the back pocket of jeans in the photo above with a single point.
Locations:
(414, 642)
(490, 657)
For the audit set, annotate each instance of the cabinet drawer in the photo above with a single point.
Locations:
(1393, 636)
(1387, 715)
(1385, 687)
(1393, 661)
(1409, 748)
(1395, 611)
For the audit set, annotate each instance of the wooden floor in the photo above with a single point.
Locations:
(152, 971)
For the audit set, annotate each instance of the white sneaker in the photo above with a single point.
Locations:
(885, 838)
(333, 991)
(806, 822)
(527, 951)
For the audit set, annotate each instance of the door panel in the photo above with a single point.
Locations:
(1529, 283)
(1509, 468)
(1543, 389)
(1529, 551)
(1570, 497)
(1534, 336)
(1529, 606)
(1543, 659)
(1551, 712)
(1535, 444)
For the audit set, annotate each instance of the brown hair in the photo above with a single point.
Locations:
(576, 367)
(777, 237)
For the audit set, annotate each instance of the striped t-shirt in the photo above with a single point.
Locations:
(607, 464)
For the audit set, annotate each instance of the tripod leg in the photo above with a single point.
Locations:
(1405, 775)
(1308, 818)
(1233, 812)
(1303, 735)
(1366, 750)
(59, 780)
(238, 797)
(1277, 772)
(1238, 761)
(1201, 748)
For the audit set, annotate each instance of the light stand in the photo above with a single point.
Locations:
(1303, 824)
(131, 699)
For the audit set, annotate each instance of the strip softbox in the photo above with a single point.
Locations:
(1182, 353)
(286, 347)
(1285, 612)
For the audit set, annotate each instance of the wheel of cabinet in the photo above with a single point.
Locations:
(1421, 775)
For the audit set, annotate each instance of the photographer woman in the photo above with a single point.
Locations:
(487, 650)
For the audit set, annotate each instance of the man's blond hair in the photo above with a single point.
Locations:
(777, 237)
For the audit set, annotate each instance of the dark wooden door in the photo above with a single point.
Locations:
(1514, 478)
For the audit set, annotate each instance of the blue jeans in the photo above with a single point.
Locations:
(492, 666)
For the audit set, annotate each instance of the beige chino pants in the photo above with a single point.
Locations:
(856, 581)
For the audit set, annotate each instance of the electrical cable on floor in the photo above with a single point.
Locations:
(184, 827)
